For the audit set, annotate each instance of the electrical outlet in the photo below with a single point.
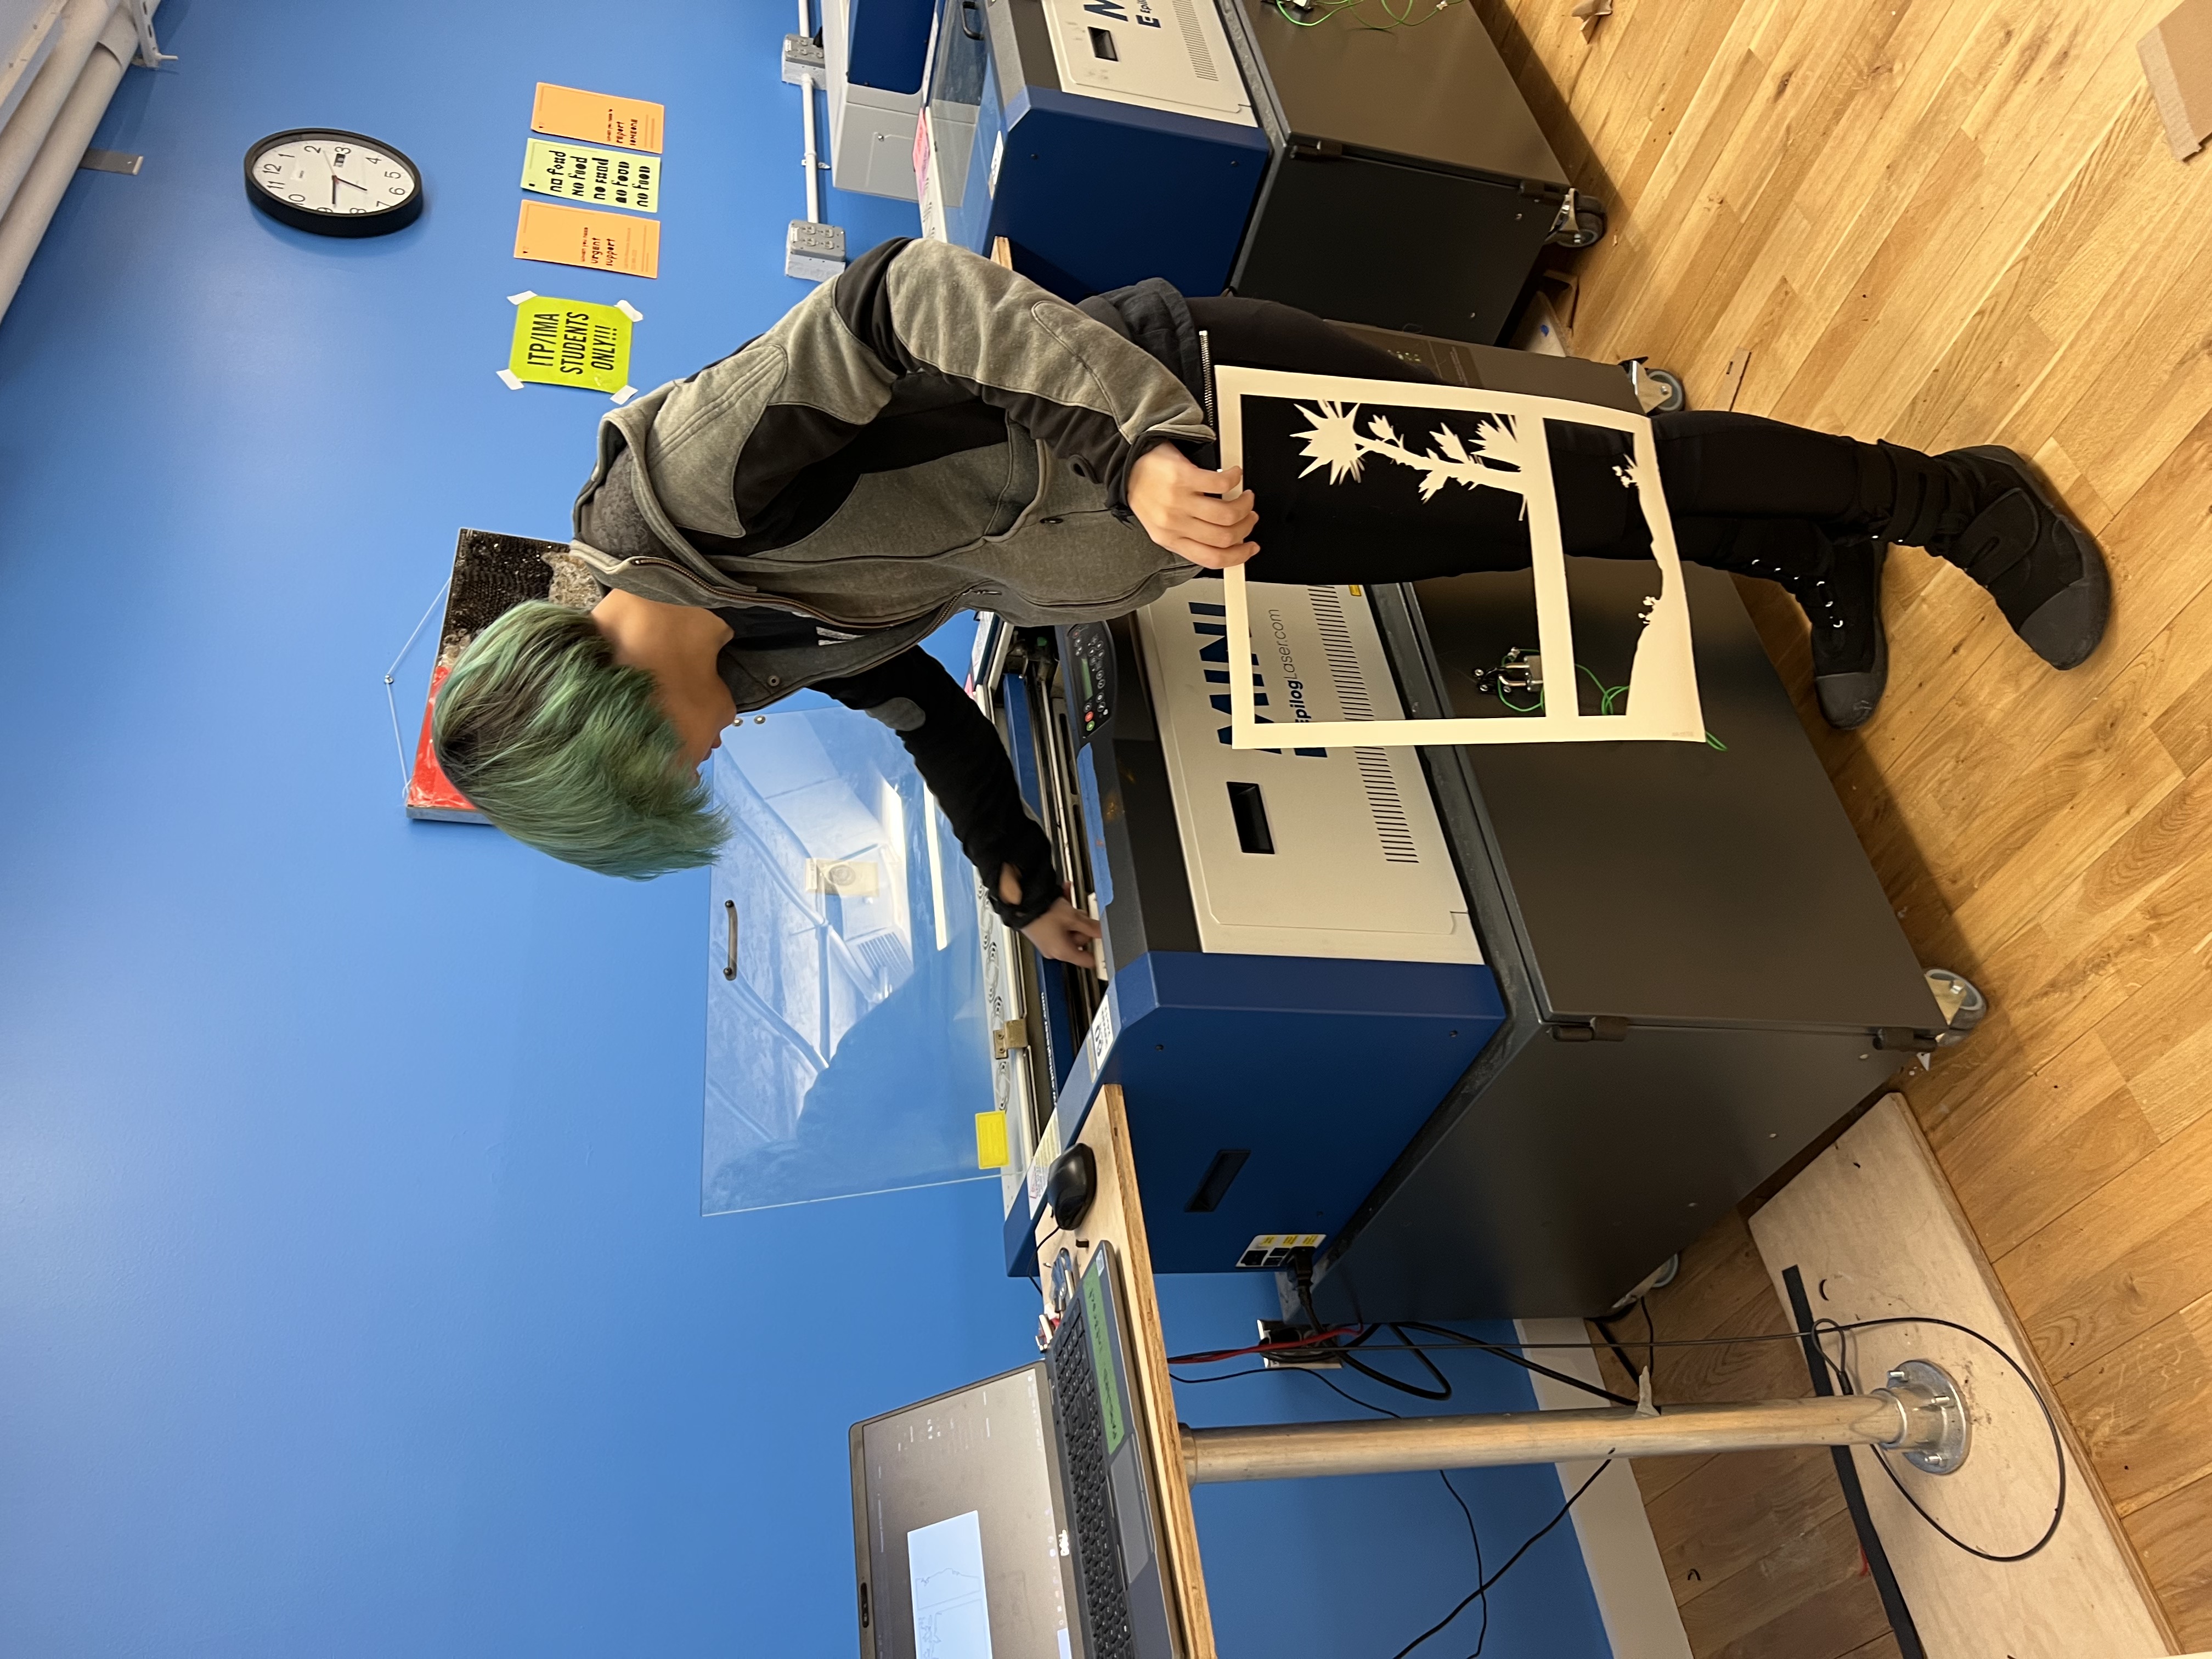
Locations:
(803, 63)
(1290, 1359)
(814, 252)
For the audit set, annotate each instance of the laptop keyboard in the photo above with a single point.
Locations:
(1083, 1433)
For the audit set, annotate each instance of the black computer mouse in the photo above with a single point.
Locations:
(1071, 1186)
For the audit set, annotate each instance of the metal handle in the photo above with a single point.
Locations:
(730, 911)
(967, 6)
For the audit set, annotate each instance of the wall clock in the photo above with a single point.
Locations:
(333, 183)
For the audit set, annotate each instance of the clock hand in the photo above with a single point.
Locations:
(335, 181)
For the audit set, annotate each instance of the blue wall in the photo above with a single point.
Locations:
(353, 1295)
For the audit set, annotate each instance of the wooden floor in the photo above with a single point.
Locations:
(1758, 1546)
(1944, 222)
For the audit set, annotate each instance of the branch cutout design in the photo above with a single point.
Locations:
(1335, 441)
(1505, 449)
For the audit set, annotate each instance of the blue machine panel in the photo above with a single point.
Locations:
(888, 42)
(1093, 194)
(1320, 1070)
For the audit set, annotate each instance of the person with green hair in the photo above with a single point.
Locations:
(929, 433)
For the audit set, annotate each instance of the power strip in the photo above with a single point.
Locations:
(1292, 1359)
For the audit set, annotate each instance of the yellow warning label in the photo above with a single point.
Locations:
(991, 1149)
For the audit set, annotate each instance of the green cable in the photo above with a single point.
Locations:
(1398, 20)
(1606, 697)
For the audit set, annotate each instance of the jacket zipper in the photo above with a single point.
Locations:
(739, 597)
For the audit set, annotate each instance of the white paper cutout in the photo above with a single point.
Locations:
(1510, 454)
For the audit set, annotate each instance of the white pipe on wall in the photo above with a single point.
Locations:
(811, 162)
(24, 224)
(81, 29)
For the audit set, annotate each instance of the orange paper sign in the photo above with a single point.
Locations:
(585, 237)
(571, 112)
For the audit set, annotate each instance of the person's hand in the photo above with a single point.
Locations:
(1064, 933)
(1182, 508)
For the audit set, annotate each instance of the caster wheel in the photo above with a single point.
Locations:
(1962, 1001)
(1587, 231)
(1658, 391)
(1581, 223)
(1674, 398)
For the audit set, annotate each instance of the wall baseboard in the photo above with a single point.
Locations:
(1633, 1596)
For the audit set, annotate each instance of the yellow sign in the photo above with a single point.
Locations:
(992, 1151)
(600, 178)
(596, 117)
(571, 343)
(595, 239)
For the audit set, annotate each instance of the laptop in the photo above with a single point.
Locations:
(1014, 1518)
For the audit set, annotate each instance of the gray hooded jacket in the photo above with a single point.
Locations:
(928, 433)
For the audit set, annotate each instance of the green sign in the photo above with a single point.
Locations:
(571, 343)
(599, 178)
(1102, 1350)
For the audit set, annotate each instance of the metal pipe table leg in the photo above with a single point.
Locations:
(1925, 1416)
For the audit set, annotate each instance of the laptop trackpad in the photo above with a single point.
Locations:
(1129, 1510)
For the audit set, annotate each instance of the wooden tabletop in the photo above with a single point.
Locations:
(1116, 1217)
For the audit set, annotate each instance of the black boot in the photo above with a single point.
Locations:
(1850, 650)
(1836, 583)
(1984, 510)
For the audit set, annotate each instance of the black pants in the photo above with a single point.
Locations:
(1746, 494)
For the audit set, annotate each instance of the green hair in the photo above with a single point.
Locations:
(568, 750)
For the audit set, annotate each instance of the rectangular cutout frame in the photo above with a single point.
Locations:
(1662, 699)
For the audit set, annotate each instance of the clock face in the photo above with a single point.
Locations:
(336, 183)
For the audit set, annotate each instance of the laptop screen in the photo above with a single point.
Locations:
(964, 1551)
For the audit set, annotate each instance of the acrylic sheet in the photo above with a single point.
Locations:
(846, 1052)
(1366, 461)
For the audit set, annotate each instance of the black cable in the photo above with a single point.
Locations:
(1456, 1339)
(1654, 1342)
(1343, 1351)
(1301, 1276)
(1453, 1340)
(1670, 1341)
(1483, 1588)
(1474, 1533)
(1482, 1635)
(2050, 1421)
(1484, 1582)
(1612, 1344)
(1380, 1411)
(1461, 1339)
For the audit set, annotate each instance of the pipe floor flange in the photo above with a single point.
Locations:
(1929, 1392)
